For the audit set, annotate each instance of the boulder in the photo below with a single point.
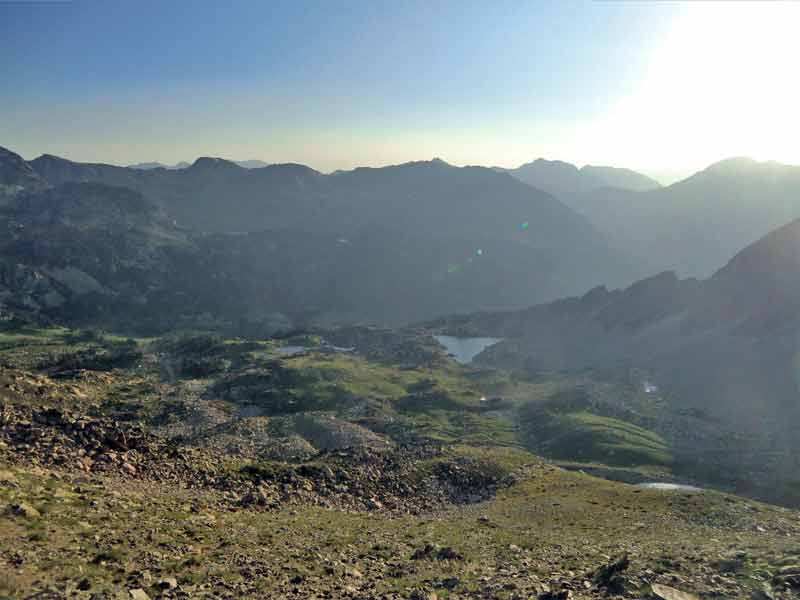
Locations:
(669, 593)
(8, 478)
(23, 509)
(423, 595)
(167, 583)
(765, 593)
(556, 595)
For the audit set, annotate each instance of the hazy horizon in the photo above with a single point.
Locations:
(337, 87)
(664, 177)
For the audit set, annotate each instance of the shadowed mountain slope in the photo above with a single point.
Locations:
(429, 238)
(92, 253)
(729, 343)
(695, 225)
(725, 349)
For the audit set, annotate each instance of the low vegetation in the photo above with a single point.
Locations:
(260, 474)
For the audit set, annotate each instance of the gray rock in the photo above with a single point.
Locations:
(668, 593)
(23, 509)
(765, 593)
(423, 595)
(167, 583)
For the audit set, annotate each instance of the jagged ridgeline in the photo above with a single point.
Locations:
(216, 244)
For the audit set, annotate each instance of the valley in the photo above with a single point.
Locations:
(191, 413)
(410, 300)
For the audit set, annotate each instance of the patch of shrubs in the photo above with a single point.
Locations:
(120, 355)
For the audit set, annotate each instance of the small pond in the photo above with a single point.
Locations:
(670, 487)
(295, 350)
(292, 350)
(464, 349)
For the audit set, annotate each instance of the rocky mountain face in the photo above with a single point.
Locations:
(16, 175)
(93, 254)
(88, 253)
(80, 251)
(392, 244)
(251, 277)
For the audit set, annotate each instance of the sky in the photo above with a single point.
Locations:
(663, 87)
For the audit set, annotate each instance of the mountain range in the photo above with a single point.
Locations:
(691, 226)
(561, 178)
(740, 325)
(146, 166)
(392, 244)
(437, 239)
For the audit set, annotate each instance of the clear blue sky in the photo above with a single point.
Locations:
(332, 84)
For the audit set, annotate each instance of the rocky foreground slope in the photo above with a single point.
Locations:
(195, 467)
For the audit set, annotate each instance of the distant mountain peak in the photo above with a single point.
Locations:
(211, 162)
(252, 164)
(149, 166)
(50, 158)
(146, 166)
(739, 167)
(433, 162)
(246, 164)
(734, 163)
(552, 163)
(6, 153)
(413, 164)
(17, 175)
(561, 178)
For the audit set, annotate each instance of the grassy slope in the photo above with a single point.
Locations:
(435, 403)
(594, 438)
(109, 531)
(438, 403)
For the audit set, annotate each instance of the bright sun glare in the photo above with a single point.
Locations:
(723, 82)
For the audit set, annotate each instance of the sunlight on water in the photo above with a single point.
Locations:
(292, 350)
(670, 487)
